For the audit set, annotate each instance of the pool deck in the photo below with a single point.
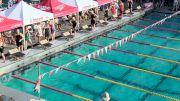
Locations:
(37, 53)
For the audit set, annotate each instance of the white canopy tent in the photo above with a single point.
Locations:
(26, 13)
(81, 4)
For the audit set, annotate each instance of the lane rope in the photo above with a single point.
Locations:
(54, 89)
(143, 43)
(151, 35)
(114, 82)
(134, 53)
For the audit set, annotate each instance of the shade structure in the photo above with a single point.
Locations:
(8, 24)
(56, 7)
(26, 13)
(81, 4)
(103, 2)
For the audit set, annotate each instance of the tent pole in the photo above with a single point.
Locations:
(23, 29)
(78, 20)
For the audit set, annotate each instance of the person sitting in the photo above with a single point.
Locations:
(2, 43)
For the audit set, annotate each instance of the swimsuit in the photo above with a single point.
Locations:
(18, 42)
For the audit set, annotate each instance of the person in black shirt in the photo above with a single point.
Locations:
(73, 23)
(106, 14)
(93, 21)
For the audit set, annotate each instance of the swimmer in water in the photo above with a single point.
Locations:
(105, 97)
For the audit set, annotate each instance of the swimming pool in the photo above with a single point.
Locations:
(164, 60)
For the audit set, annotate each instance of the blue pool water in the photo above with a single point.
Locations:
(93, 89)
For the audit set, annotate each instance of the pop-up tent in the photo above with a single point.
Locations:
(56, 7)
(26, 13)
(103, 2)
(8, 24)
(81, 4)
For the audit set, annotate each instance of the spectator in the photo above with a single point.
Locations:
(2, 43)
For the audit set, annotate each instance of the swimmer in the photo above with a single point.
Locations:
(105, 97)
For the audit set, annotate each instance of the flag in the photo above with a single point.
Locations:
(120, 43)
(98, 51)
(106, 48)
(102, 51)
(84, 59)
(42, 76)
(56, 70)
(117, 44)
(129, 38)
(37, 86)
(94, 55)
(79, 60)
(110, 47)
(89, 57)
(50, 73)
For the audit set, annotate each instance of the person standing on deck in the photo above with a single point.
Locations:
(74, 24)
(52, 30)
(19, 40)
(130, 5)
(113, 10)
(106, 14)
(47, 31)
(93, 21)
(121, 9)
(10, 3)
(175, 5)
(27, 38)
(2, 43)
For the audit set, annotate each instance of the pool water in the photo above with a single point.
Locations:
(93, 89)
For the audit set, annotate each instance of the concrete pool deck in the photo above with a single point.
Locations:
(36, 53)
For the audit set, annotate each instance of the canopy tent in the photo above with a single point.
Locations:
(56, 7)
(103, 2)
(8, 24)
(81, 4)
(26, 13)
